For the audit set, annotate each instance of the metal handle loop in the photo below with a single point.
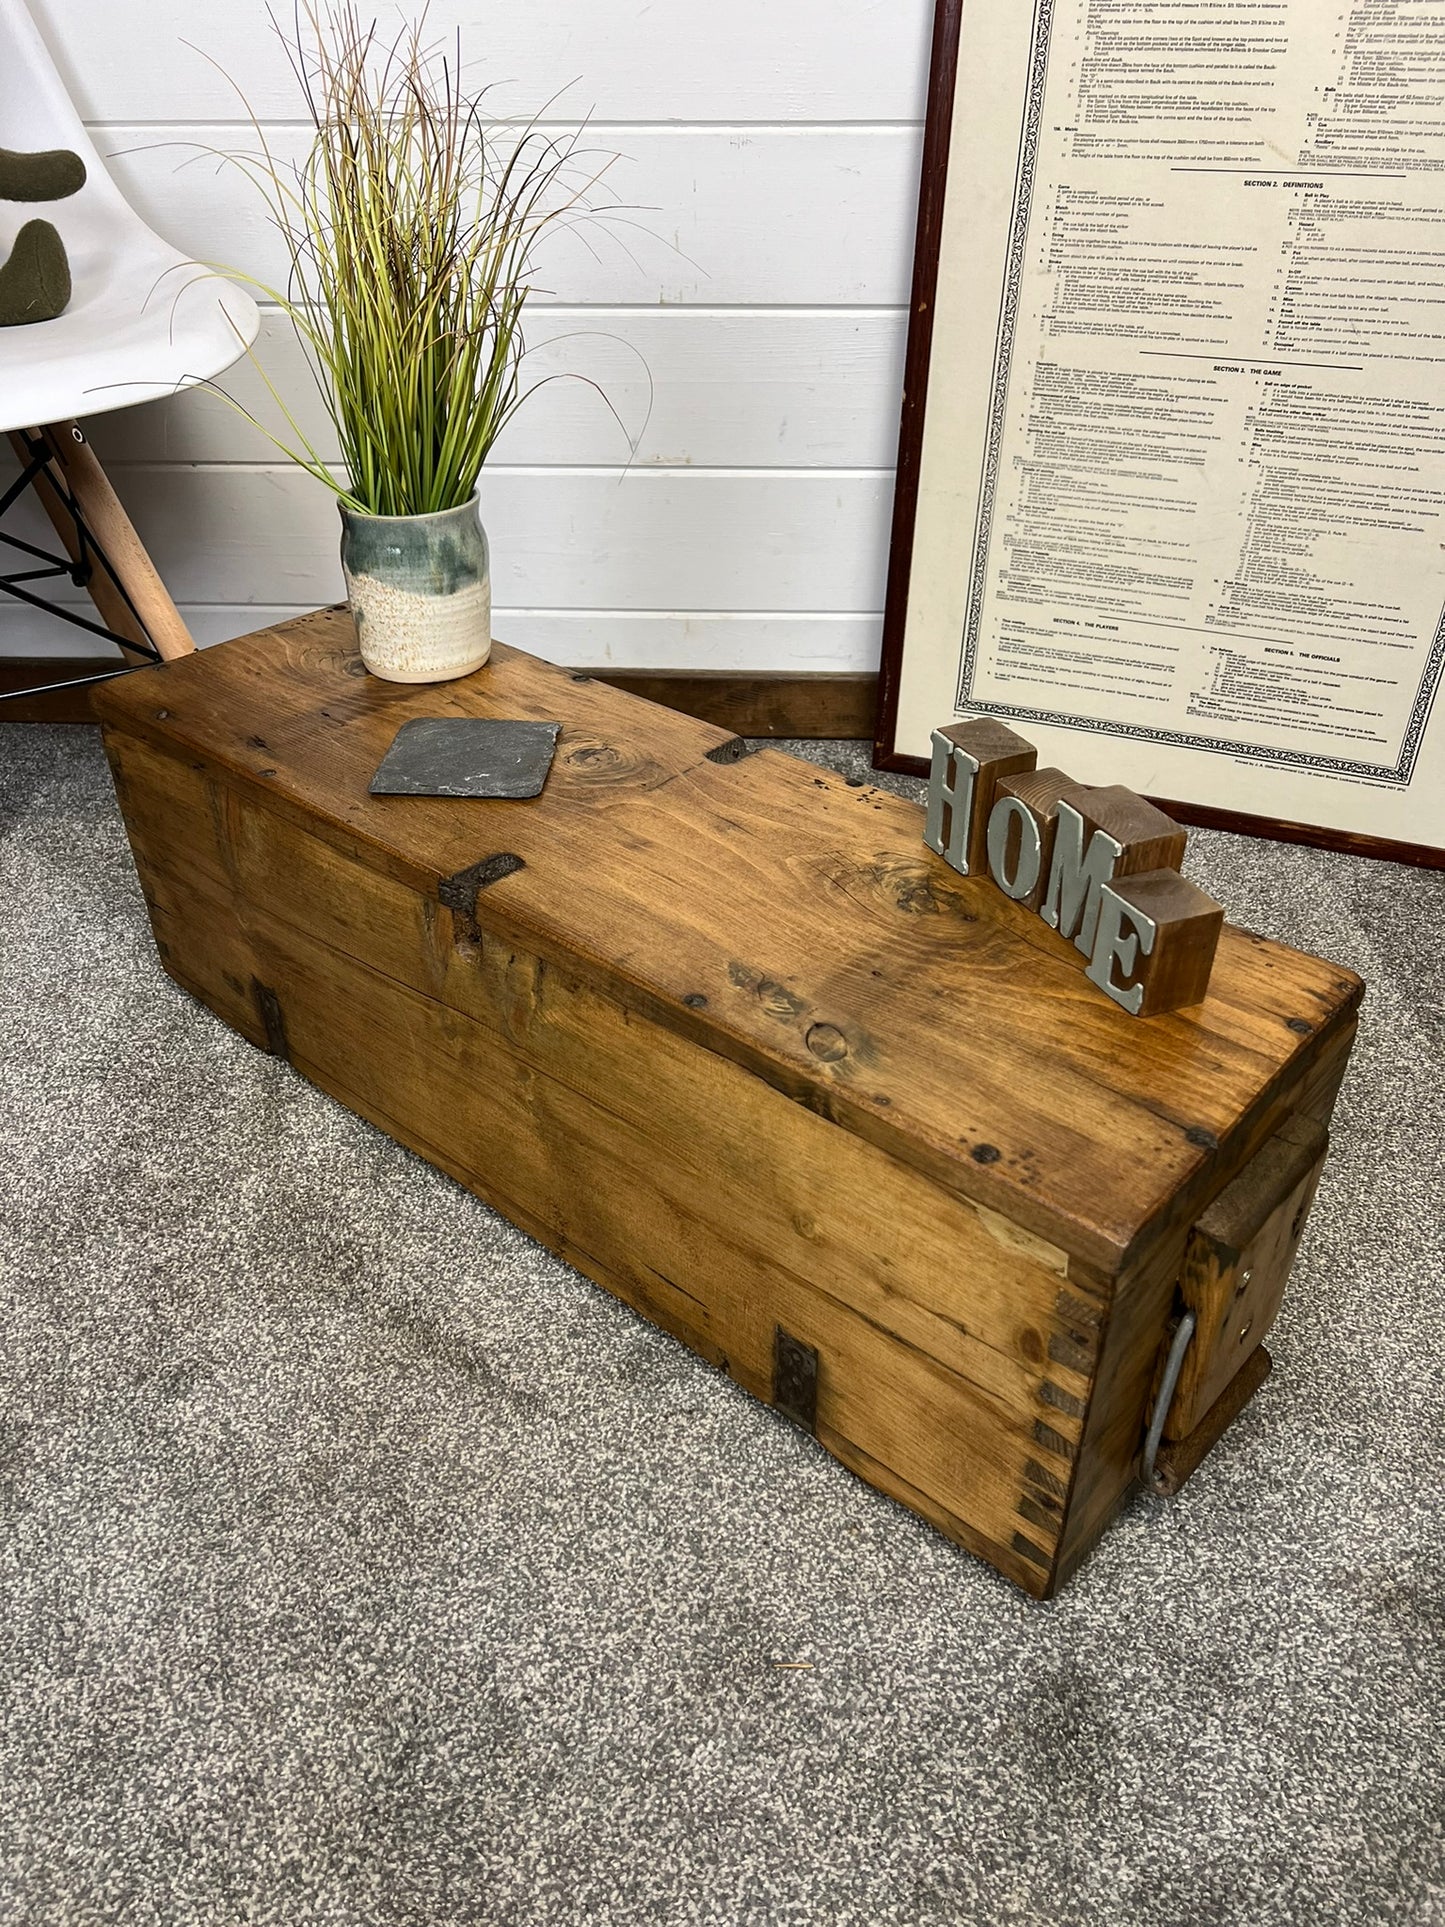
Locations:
(1173, 1365)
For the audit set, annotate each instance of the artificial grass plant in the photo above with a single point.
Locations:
(411, 225)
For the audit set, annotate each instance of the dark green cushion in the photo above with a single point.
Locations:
(40, 177)
(35, 281)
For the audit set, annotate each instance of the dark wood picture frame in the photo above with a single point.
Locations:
(942, 83)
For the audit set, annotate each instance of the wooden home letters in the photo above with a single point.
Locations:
(1100, 866)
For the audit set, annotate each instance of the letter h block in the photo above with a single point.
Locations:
(969, 761)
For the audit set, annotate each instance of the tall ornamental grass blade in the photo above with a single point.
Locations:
(411, 226)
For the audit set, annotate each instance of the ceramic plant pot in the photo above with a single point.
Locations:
(420, 591)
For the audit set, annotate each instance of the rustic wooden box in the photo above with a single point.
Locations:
(721, 1032)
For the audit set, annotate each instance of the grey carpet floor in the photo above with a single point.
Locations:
(361, 1564)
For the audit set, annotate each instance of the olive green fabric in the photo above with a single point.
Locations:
(51, 176)
(35, 280)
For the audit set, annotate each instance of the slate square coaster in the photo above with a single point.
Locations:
(466, 756)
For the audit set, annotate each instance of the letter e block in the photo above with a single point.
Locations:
(1155, 941)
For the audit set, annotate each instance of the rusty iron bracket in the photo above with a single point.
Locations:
(459, 893)
(795, 1379)
(268, 1005)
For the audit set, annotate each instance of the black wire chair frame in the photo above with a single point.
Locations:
(80, 569)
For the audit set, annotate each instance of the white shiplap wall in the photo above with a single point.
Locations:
(771, 148)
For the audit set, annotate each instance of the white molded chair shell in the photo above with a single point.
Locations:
(143, 321)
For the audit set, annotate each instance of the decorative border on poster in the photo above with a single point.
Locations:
(1313, 761)
(1309, 760)
(1007, 322)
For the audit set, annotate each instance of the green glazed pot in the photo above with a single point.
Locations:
(420, 591)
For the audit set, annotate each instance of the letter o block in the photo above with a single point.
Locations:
(1015, 847)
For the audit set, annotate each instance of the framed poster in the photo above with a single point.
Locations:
(1171, 485)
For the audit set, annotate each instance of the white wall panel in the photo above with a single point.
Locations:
(725, 217)
(715, 541)
(30, 632)
(581, 638)
(632, 60)
(728, 390)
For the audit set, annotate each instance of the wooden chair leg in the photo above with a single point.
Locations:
(134, 602)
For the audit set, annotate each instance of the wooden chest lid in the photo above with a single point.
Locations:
(785, 918)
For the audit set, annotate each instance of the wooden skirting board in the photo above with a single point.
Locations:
(64, 705)
(770, 703)
(774, 703)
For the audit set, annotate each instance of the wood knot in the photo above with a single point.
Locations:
(776, 999)
(827, 1043)
(604, 763)
(905, 884)
(914, 897)
(595, 756)
(319, 658)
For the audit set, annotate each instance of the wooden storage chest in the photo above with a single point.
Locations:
(721, 1032)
